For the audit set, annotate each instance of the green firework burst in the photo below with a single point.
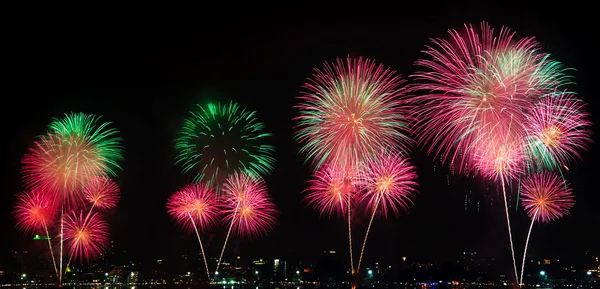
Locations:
(88, 129)
(219, 139)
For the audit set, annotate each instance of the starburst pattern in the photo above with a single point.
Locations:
(86, 237)
(351, 110)
(390, 184)
(558, 129)
(330, 191)
(248, 206)
(34, 210)
(217, 140)
(194, 204)
(479, 86)
(546, 197)
(102, 192)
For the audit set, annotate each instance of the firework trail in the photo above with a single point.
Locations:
(545, 198)
(558, 127)
(330, 192)
(389, 186)
(217, 140)
(350, 110)
(195, 207)
(75, 149)
(33, 211)
(247, 207)
(502, 159)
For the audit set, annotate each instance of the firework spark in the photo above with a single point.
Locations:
(75, 149)
(194, 204)
(478, 87)
(34, 210)
(102, 192)
(351, 109)
(330, 191)
(558, 129)
(220, 139)
(85, 238)
(248, 205)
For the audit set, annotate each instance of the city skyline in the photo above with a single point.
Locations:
(145, 82)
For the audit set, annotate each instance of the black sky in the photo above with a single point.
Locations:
(144, 73)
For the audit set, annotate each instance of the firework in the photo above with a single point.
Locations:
(500, 158)
(101, 192)
(34, 210)
(389, 184)
(330, 191)
(194, 205)
(76, 149)
(220, 139)
(350, 110)
(86, 238)
(546, 197)
(248, 205)
(558, 129)
(478, 86)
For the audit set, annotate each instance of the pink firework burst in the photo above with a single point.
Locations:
(330, 191)
(194, 204)
(546, 197)
(62, 164)
(558, 129)
(390, 184)
(479, 85)
(102, 192)
(248, 205)
(350, 110)
(500, 158)
(34, 210)
(86, 237)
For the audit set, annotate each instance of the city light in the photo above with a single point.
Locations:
(297, 272)
(589, 273)
(255, 272)
(370, 272)
(543, 273)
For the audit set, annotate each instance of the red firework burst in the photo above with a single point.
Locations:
(62, 164)
(479, 85)
(194, 204)
(34, 210)
(85, 237)
(102, 192)
(390, 183)
(248, 205)
(330, 191)
(546, 197)
(352, 109)
(558, 128)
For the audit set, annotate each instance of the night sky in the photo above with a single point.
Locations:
(144, 74)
